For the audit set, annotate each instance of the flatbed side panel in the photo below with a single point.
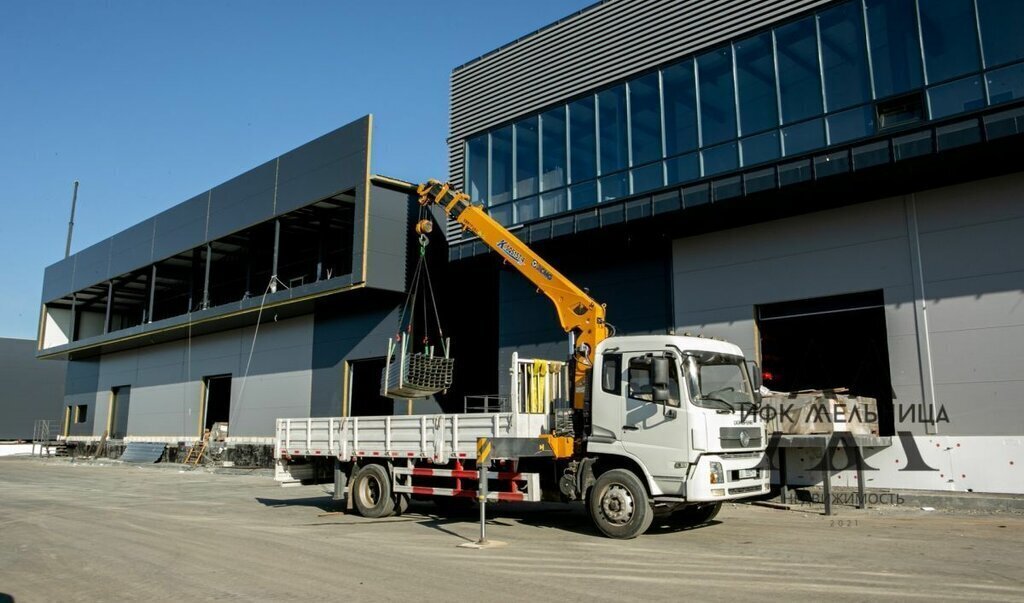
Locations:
(435, 437)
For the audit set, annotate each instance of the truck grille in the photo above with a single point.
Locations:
(731, 437)
(745, 489)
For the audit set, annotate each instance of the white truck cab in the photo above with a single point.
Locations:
(699, 442)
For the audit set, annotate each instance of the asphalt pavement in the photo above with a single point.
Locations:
(113, 532)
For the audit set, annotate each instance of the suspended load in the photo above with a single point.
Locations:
(414, 375)
(408, 372)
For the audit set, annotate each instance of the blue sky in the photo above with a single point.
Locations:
(149, 103)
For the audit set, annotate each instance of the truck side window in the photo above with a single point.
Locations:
(611, 373)
(640, 382)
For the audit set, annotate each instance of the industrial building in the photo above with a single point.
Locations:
(273, 294)
(831, 185)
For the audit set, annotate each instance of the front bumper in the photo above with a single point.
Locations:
(700, 489)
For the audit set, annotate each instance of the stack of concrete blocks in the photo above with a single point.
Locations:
(811, 412)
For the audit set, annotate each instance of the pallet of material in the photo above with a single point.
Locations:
(811, 412)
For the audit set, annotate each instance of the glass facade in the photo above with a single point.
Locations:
(824, 79)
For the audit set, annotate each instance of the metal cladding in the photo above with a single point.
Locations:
(143, 452)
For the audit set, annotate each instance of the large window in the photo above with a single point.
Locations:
(950, 39)
(476, 168)
(1000, 23)
(895, 53)
(645, 119)
(582, 140)
(830, 77)
(527, 160)
(501, 166)
(680, 108)
(553, 170)
(612, 119)
(717, 103)
(755, 80)
(799, 75)
(844, 57)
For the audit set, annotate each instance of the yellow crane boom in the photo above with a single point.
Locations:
(579, 314)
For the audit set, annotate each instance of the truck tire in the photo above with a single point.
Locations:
(619, 505)
(371, 490)
(697, 514)
(401, 503)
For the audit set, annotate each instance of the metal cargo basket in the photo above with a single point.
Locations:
(420, 375)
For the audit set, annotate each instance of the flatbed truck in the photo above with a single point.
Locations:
(633, 426)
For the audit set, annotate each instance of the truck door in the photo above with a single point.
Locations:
(654, 432)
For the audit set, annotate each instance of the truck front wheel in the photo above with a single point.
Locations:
(619, 505)
(372, 492)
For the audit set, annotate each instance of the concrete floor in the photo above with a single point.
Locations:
(87, 532)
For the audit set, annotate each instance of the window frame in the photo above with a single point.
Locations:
(673, 376)
(615, 359)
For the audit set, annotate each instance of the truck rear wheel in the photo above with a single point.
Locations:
(619, 505)
(697, 514)
(371, 490)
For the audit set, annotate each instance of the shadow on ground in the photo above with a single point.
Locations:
(567, 517)
(324, 503)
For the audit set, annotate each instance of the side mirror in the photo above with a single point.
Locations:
(659, 377)
(755, 374)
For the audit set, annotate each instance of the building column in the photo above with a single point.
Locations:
(152, 293)
(206, 276)
(277, 250)
(110, 303)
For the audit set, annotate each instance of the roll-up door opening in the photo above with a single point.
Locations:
(826, 343)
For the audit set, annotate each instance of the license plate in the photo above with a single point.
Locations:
(748, 473)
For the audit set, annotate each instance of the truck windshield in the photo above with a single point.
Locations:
(719, 381)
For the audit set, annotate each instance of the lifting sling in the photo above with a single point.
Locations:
(407, 373)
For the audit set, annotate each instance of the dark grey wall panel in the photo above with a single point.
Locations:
(131, 248)
(57, 279)
(243, 201)
(967, 285)
(599, 45)
(32, 389)
(391, 218)
(80, 388)
(333, 163)
(342, 333)
(92, 265)
(634, 283)
(166, 380)
(181, 227)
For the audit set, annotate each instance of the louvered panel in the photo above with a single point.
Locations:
(600, 46)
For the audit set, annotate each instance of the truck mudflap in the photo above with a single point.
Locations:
(512, 485)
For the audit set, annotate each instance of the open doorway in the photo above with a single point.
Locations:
(217, 391)
(120, 398)
(364, 397)
(829, 342)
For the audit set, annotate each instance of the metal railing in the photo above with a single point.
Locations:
(485, 403)
(44, 433)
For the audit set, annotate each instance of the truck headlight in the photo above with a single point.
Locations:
(717, 475)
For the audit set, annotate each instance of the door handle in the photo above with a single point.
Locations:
(630, 428)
